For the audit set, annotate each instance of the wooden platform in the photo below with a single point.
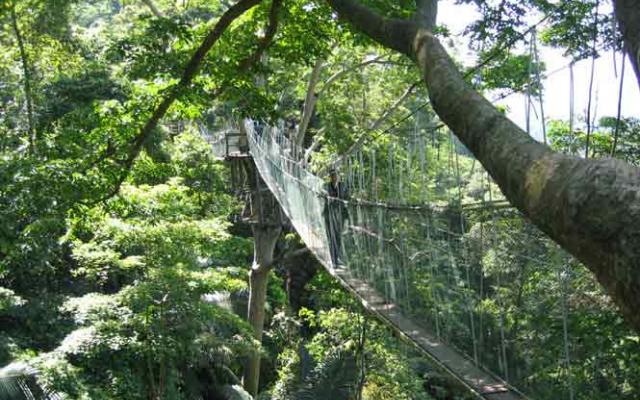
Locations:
(233, 156)
(459, 367)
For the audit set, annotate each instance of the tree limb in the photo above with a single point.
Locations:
(313, 147)
(190, 71)
(396, 34)
(309, 102)
(426, 13)
(26, 81)
(345, 71)
(313, 95)
(266, 40)
(153, 8)
(247, 63)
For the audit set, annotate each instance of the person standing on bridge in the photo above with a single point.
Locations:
(335, 213)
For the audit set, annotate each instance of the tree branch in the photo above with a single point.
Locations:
(190, 71)
(426, 13)
(628, 15)
(309, 102)
(266, 40)
(396, 34)
(583, 205)
(313, 147)
(264, 43)
(313, 95)
(153, 8)
(345, 71)
(26, 80)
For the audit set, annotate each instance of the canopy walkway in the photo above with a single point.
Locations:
(446, 269)
(227, 144)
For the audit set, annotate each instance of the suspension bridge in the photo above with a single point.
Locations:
(431, 248)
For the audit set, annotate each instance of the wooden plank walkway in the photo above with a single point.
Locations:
(232, 156)
(479, 382)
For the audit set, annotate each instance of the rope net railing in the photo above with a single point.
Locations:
(420, 221)
(225, 143)
(216, 140)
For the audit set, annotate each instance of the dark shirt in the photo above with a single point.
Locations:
(337, 192)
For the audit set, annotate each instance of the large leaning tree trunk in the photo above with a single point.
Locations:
(628, 15)
(590, 207)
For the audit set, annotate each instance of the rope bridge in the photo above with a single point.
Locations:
(430, 246)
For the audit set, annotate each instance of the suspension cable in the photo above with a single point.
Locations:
(593, 68)
(617, 128)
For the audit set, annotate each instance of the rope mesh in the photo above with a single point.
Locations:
(424, 226)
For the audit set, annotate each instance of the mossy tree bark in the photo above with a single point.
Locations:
(590, 207)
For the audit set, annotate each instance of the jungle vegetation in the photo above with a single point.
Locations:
(127, 266)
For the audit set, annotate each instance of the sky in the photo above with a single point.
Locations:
(557, 85)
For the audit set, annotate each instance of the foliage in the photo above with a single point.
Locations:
(131, 293)
(140, 270)
(569, 25)
(328, 365)
(332, 378)
(601, 138)
(156, 336)
(516, 72)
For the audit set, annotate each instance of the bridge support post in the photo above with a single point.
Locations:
(265, 241)
(267, 225)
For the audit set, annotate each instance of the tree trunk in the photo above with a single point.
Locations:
(590, 207)
(300, 271)
(26, 81)
(628, 15)
(309, 103)
(265, 237)
(153, 8)
(267, 226)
